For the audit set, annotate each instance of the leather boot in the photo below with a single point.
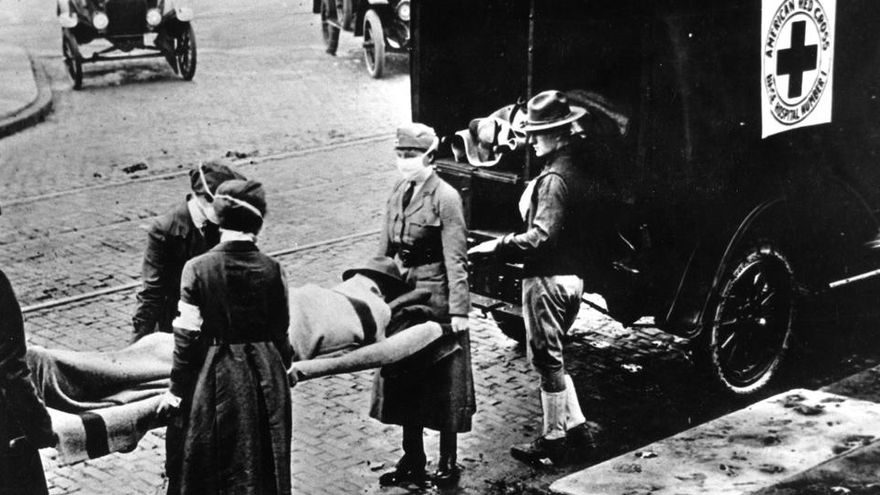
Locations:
(551, 446)
(411, 467)
(448, 472)
(406, 471)
(580, 433)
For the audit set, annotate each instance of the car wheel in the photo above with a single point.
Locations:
(185, 51)
(72, 60)
(374, 44)
(345, 14)
(330, 26)
(751, 327)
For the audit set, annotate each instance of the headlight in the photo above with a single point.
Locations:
(403, 11)
(154, 17)
(100, 21)
(68, 20)
(184, 14)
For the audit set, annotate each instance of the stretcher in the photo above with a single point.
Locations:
(105, 402)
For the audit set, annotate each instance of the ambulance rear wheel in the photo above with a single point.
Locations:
(750, 330)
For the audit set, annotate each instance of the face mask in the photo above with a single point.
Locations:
(211, 214)
(410, 168)
(208, 210)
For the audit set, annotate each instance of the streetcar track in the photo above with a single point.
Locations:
(241, 162)
(280, 253)
(126, 224)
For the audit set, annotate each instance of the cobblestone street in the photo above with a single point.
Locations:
(79, 190)
(337, 448)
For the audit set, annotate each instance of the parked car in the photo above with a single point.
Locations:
(384, 25)
(127, 25)
(744, 161)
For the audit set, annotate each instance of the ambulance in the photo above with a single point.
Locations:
(742, 139)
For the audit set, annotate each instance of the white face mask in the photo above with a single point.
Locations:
(208, 210)
(212, 215)
(411, 168)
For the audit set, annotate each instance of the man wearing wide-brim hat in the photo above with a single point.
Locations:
(552, 250)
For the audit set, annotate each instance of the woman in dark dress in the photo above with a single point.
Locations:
(25, 425)
(231, 356)
(425, 232)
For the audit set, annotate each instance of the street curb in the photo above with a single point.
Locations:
(34, 112)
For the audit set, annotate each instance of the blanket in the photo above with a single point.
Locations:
(103, 402)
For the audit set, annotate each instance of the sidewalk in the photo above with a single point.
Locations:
(797, 442)
(25, 95)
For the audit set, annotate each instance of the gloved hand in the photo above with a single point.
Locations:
(459, 324)
(168, 405)
(484, 249)
(293, 375)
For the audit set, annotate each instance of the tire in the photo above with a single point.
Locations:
(72, 59)
(186, 53)
(374, 44)
(511, 325)
(750, 331)
(330, 26)
(345, 14)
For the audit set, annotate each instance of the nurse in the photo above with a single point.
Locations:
(424, 231)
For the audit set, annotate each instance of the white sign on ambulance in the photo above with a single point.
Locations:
(797, 55)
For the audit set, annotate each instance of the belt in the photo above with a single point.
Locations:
(216, 341)
(411, 256)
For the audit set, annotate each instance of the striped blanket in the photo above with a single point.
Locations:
(102, 402)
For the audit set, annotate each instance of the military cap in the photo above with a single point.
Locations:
(207, 176)
(415, 136)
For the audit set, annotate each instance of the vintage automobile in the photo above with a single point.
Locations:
(744, 162)
(126, 25)
(384, 24)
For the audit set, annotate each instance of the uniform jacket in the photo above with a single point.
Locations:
(567, 224)
(22, 413)
(173, 239)
(433, 221)
(440, 396)
(232, 374)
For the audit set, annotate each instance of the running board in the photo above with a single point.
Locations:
(857, 278)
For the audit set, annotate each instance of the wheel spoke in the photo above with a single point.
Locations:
(727, 323)
(727, 341)
(767, 298)
(753, 320)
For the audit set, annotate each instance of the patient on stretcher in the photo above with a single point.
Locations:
(346, 328)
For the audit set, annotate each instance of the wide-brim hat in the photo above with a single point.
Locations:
(550, 109)
(383, 270)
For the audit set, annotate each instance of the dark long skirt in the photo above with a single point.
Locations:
(240, 424)
(439, 396)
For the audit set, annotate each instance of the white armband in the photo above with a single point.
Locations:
(190, 317)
